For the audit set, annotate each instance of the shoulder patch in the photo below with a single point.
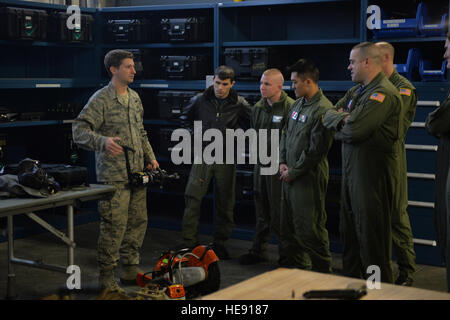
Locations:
(377, 97)
(405, 91)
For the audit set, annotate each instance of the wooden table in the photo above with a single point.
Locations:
(280, 284)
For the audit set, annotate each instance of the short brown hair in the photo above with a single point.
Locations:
(114, 58)
(369, 50)
(224, 73)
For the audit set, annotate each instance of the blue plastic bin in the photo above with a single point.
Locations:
(412, 64)
(430, 26)
(427, 73)
(398, 28)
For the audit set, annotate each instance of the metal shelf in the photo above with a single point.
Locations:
(290, 42)
(41, 83)
(43, 5)
(19, 124)
(271, 3)
(324, 85)
(32, 43)
(157, 8)
(412, 39)
(170, 84)
(159, 45)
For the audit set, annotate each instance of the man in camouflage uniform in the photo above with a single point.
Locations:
(369, 124)
(112, 118)
(402, 237)
(271, 112)
(304, 146)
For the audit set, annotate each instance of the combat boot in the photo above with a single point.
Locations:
(107, 282)
(129, 274)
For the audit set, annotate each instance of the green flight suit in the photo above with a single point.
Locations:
(370, 163)
(268, 187)
(401, 227)
(438, 124)
(304, 147)
(123, 217)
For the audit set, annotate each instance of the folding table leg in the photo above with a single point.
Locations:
(10, 290)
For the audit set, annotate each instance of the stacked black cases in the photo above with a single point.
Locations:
(20, 23)
(172, 103)
(184, 67)
(247, 63)
(165, 144)
(80, 33)
(251, 97)
(138, 64)
(193, 29)
(136, 30)
(244, 185)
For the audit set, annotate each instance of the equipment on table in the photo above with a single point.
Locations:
(352, 292)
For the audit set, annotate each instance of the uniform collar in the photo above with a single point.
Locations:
(112, 93)
(313, 100)
(232, 96)
(375, 81)
(394, 76)
(268, 108)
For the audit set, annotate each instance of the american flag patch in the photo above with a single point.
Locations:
(294, 115)
(377, 97)
(405, 91)
(349, 106)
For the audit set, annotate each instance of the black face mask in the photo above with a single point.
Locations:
(31, 175)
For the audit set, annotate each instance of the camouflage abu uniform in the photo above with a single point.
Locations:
(124, 217)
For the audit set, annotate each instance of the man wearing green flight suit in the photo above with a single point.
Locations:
(112, 118)
(368, 122)
(438, 124)
(218, 107)
(401, 227)
(305, 143)
(269, 113)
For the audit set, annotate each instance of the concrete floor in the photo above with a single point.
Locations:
(32, 283)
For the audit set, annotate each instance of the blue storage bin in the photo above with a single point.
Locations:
(397, 28)
(427, 73)
(412, 64)
(430, 26)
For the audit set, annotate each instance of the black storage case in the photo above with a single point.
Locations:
(184, 67)
(136, 30)
(60, 32)
(247, 63)
(244, 185)
(165, 145)
(251, 97)
(20, 23)
(193, 29)
(67, 175)
(138, 62)
(172, 103)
